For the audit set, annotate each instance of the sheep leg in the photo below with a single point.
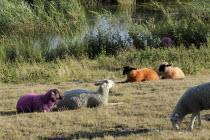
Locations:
(199, 119)
(193, 117)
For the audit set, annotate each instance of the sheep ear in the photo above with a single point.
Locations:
(52, 94)
(133, 68)
(97, 84)
(170, 64)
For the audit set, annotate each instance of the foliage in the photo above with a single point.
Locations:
(18, 17)
(187, 24)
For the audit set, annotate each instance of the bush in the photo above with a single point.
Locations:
(188, 24)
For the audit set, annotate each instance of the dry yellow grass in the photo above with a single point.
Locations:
(146, 106)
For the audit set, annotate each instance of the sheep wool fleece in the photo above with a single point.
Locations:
(195, 99)
(143, 74)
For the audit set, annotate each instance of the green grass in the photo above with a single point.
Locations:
(146, 106)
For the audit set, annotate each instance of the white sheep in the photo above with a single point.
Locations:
(170, 72)
(79, 98)
(194, 100)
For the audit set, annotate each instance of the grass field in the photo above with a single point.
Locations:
(145, 107)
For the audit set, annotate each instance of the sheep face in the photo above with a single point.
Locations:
(55, 94)
(127, 69)
(163, 65)
(176, 121)
(110, 84)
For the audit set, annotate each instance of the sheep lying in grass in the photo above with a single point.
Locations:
(170, 72)
(138, 75)
(37, 102)
(79, 98)
(194, 100)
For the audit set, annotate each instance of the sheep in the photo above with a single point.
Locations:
(170, 72)
(194, 100)
(166, 41)
(138, 75)
(79, 98)
(38, 102)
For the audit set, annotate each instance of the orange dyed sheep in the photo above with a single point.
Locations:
(138, 75)
(170, 72)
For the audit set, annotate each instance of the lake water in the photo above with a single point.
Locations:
(108, 24)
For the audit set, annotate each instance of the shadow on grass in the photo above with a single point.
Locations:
(54, 110)
(7, 113)
(89, 135)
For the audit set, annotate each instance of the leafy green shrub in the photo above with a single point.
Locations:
(142, 36)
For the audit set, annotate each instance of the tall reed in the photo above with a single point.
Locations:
(18, 17)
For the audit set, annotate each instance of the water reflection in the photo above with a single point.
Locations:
(102, 32)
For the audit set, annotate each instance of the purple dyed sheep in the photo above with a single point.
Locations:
(37, 102)
(166, 41)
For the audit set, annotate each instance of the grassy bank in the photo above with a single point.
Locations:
(192, 61)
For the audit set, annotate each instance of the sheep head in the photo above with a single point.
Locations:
(176, 121)
(163, 65)
(55, 94)
(105, 83)
(127, 69)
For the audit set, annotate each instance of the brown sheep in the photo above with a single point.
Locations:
(170, 72)
(138, 75)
